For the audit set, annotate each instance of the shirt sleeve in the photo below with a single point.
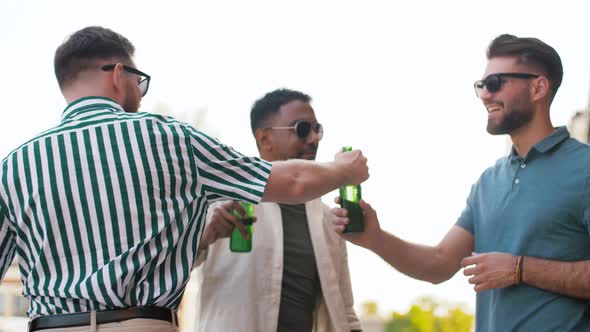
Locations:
(224, 173)
(465, 220)
(7, 241)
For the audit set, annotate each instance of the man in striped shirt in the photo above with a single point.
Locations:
(105, 210)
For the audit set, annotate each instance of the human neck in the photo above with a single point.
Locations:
(524, 138)
(83, 89)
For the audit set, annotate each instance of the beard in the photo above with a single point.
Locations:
(309, 153)
(305, 156)
(513, 118)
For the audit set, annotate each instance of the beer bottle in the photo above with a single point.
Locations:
(350, 195)
(237, 243)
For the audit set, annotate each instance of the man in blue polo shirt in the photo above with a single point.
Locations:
(523, 237)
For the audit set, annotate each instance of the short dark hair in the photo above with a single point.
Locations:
(83, 48)
(531, 51)
(271, 103)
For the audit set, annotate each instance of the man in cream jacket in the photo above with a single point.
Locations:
(296, 277)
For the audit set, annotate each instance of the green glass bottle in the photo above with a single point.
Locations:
(350, 196)
(237, 243)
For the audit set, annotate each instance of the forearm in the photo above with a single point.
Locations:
(566, 278)
(417, 261)
(299, 181)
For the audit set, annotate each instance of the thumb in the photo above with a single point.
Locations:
(337, 199)
(366, 207)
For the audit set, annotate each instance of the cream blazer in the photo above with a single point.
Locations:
(242, 291)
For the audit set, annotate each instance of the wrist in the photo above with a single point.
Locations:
(205, 242)
(341, 172)
(375, 241)
(203, 245)
(522, 273)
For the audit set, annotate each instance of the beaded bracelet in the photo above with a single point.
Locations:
(518, 271)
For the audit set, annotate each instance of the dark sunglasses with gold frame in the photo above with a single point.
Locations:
(303, 128)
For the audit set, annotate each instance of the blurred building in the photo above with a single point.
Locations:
(579, 125)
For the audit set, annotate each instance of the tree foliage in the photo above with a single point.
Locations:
(426, 315)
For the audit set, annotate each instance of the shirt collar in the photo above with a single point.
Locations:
(82, 104)
(559, 135)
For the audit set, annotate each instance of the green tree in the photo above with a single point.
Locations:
(425, 316)
(456, 320)
(370, 308)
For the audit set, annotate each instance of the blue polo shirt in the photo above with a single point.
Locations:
(537, 206)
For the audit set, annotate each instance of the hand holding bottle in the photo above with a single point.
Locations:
(353, 164)
(238, 241)
(372, 233)
(222, 223)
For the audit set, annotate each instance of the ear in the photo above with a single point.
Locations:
(117, 77)
(263, 140)
(541, 88)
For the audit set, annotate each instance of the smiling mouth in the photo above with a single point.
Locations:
(494, 108)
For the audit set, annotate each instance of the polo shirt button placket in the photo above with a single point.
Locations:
(516, 178)
(522, 166)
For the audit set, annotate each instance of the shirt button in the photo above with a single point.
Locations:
(516, 181)
(522, 165)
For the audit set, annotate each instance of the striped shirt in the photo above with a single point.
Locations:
(106, 209)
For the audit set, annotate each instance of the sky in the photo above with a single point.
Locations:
(393, 78)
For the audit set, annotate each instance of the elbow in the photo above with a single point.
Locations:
(294, 190)
(438, 280)
(290, 185)
(442, 268)
(299, 187)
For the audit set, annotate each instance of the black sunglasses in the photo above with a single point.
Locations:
(144, 81)
(493, 83)
(303, 128)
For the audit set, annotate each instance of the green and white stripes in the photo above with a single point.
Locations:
(106, 209)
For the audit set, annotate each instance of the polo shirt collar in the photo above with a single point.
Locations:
(559, 135)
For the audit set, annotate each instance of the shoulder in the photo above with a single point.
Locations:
(163, 121)
(577, 150)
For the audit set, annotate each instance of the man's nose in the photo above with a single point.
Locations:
(485, 94)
